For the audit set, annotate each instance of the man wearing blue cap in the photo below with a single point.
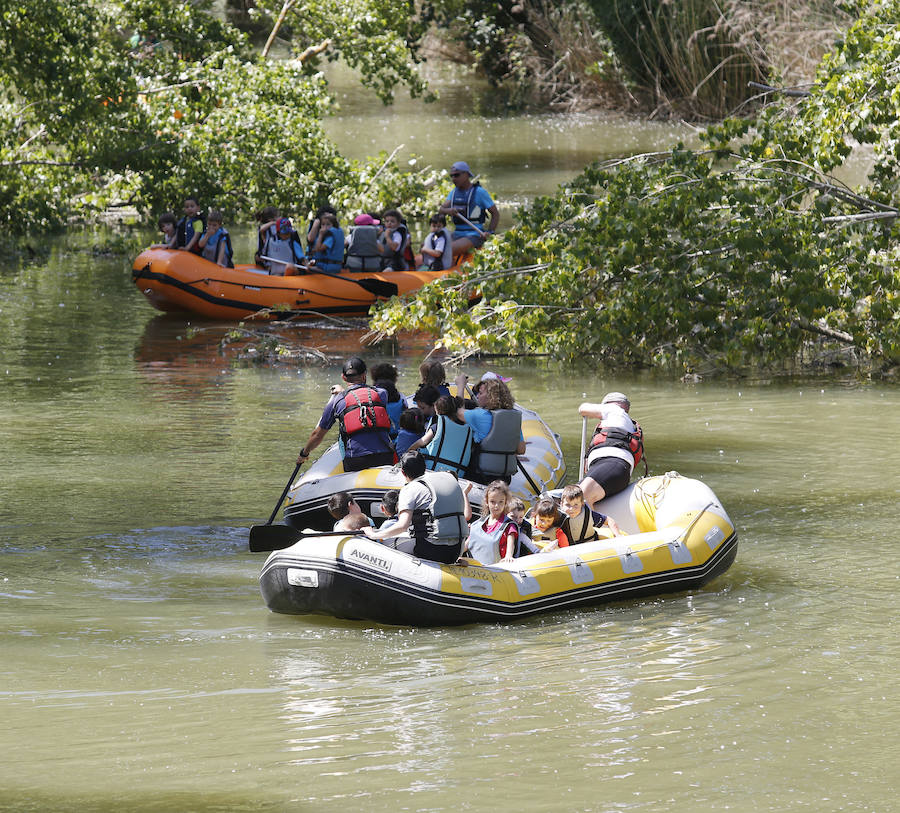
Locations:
(469, 204)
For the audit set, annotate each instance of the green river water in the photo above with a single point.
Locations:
(140, 669)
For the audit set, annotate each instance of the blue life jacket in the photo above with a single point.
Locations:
(464, 201)
(332, 257)
(211, 249)
(185, 231)
(451, 447)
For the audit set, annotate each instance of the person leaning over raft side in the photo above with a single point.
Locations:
(342, 505)
(436, 509)
(167, 224)
(610, 459)
(363, 418)
(473, 202)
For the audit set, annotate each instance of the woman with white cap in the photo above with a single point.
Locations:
(614, 448)
(469, 204)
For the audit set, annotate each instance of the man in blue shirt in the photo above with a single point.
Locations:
(364, 421)
(469, 202)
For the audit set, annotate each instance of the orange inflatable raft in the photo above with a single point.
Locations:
(182, 281)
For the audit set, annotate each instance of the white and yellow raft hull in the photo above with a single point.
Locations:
(677, 537)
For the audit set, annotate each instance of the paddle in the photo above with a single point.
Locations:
(260, 533)
(376, 287)
(581, 456)
(266, 538)
(469, 222)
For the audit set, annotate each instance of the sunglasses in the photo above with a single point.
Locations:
(455, 174)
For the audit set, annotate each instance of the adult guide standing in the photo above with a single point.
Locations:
(361, 412)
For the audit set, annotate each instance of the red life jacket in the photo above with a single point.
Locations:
(363, 412)
(620, 439)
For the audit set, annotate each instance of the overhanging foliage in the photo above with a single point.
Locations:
(141, 102)
(733, 255)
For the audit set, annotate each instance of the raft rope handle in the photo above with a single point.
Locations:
(651, 499)
(679, 540)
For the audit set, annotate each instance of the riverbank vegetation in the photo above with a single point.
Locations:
(688, 59)
(742, 253)
(136, 103)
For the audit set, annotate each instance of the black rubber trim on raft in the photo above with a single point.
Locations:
(252, 307)
(399, 602)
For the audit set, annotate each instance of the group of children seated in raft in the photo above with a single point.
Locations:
(505, 531)
(375, 242)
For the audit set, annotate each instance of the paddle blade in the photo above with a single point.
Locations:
(377, 287)
(265, 538)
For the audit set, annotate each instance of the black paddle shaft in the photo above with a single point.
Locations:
(284, 493)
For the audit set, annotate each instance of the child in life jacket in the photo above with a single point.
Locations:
(389, 502)
(327, 253)
(546, 519)
(215, 244)
(190, 227)
(516, 511)
(392, 242)
(432, 374)
(580, 523)
(385, 376)
(437, 253)
(495, 536)
(267, 217)
(412, 427)
(166, 225)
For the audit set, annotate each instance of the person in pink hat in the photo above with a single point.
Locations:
(469, 204)
(362, 244)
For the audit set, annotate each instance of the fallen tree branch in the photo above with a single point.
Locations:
(812, 327)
